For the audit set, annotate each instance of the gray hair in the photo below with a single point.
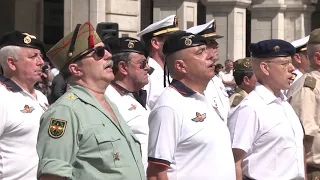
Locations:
(8, 51)
(227, 61)
(116, 58)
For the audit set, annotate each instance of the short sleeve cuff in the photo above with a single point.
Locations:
(55, 167)
(239, 146)
(312, 131)
(159, 162)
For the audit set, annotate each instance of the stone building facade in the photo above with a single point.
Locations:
(239, 21)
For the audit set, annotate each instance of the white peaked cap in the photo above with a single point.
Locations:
(166, 25)
(300, 42)
(207, 30)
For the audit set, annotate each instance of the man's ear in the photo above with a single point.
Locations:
(316, 58)
(11, 63)
(265, 68)
(155, 43)
(123, 68)
(75, 69)
(180, 66)
(297, 58)
(246, 80)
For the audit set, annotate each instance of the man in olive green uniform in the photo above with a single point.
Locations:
(245, 79)
(304, 97)
(82, 135)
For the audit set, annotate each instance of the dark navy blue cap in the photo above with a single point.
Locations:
(272, 48)
(125, 44)
(182, 40)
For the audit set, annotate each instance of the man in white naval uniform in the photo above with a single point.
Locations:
(266, 134)
(154, 37)
(131, 74)
(187, 138)
(300, 59)
(215, 91)
(21, 105)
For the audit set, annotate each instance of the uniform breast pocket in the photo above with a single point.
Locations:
(112, 149)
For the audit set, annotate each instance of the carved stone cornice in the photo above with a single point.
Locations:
(231, 3)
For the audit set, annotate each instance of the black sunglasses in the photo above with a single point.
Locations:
(99, 51)
(143, 64)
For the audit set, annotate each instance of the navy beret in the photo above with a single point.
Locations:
(126, 44)
(182, 40)
(17, 38)
(272, 48)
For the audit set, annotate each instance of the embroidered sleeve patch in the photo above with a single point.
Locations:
(57, 128)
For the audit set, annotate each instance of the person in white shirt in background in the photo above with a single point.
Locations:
(21, 105)
(154, 37)
(215, 91)
(130, 68)
(227, 77)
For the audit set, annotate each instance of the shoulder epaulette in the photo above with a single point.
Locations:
(236, 101)
(310, 82)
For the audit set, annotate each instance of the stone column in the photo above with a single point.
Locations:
(7, 16)
(288, 20)
(126, 13)
(80, 11)
(231, 23)
(28, 16)
(297, 21)
(185, 10)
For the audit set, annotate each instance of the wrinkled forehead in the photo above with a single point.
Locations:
(29, 50)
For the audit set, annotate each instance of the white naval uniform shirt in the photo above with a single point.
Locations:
(20, 114)
(269, 131)
(187, 136)
(156, 83)
(217, 95)
(227, 76)
(135, 114)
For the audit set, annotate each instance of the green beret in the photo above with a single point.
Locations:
(243, 64)
(60, 54)
(314, 37)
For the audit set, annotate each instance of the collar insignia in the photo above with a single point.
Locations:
(200, 117)
(71, 96)
(27, 109)
(57, 128)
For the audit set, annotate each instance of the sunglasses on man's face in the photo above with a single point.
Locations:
(99, 51)
(143, 64)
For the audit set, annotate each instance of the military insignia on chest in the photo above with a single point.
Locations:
(199, 117)
(27, 109)
(57, 128)
(132, 107)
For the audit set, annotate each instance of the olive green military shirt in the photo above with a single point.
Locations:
(79, 140)
(237, 97)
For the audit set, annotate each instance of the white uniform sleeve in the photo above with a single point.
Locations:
(164, 126)
(154, 89)
(243, 125)
(3, 117)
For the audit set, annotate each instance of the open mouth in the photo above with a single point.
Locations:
(109, 65)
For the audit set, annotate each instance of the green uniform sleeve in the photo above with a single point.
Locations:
(58, 141)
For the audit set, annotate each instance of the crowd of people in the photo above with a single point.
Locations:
(159, 108)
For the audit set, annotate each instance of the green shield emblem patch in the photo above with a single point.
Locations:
(57, 127)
